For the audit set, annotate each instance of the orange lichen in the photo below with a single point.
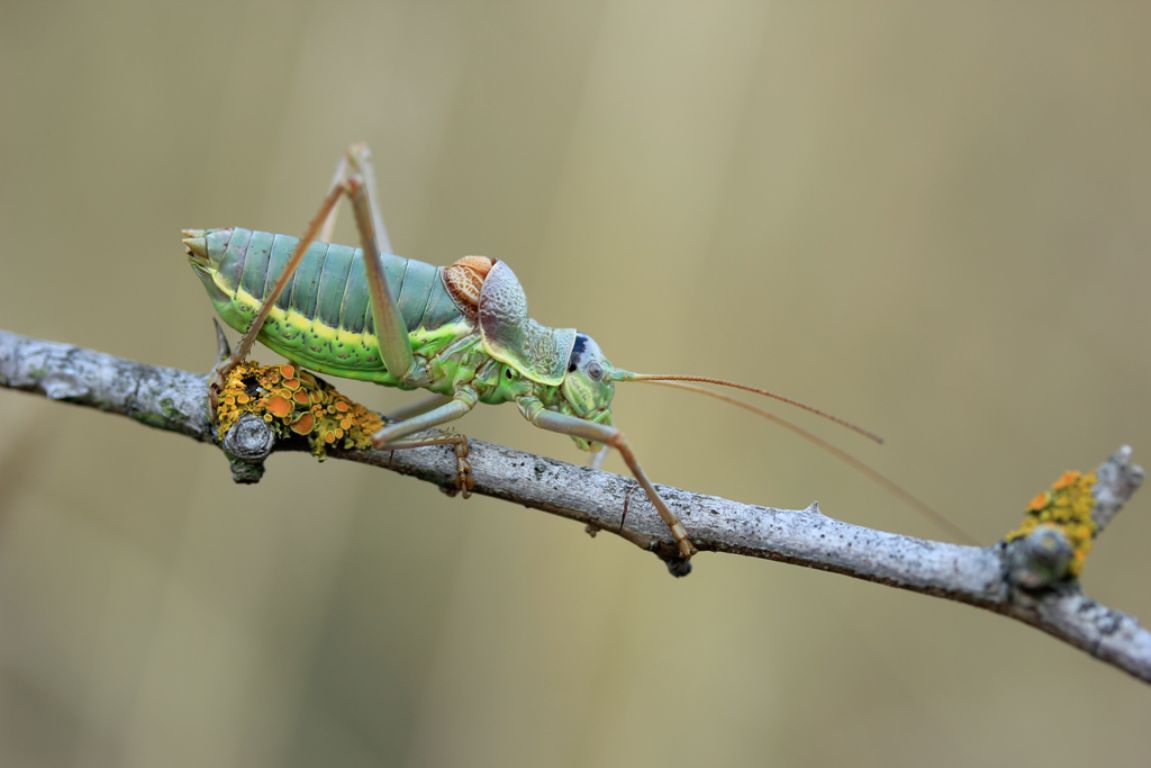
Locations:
(280, 407)
(1040, 502)
(303, 425)
(1067, 507)
(294, 402)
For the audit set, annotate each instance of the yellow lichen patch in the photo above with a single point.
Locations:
(1067, 506)
(294, 402)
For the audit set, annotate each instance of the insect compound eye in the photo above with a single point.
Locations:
(594, 371)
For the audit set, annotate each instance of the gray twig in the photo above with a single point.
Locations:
(987, 577)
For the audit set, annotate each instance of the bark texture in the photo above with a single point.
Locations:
(1022, 580)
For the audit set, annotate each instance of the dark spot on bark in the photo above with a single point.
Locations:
(1108, 623)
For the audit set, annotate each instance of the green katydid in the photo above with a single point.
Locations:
(461, 332)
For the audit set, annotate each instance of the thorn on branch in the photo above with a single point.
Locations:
(223, 348)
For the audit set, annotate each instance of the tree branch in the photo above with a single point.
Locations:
(1017, 579)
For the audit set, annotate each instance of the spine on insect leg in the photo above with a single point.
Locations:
(323, 319)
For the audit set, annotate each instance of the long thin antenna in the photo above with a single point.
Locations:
(893, 487)
(658, 377)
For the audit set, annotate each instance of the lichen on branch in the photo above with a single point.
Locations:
(295, 402)
(1066, 509)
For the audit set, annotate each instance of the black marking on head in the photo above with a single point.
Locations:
(577, 351)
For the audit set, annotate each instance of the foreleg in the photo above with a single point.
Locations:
(534, 411)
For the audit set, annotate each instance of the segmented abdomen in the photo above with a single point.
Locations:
(326, 319)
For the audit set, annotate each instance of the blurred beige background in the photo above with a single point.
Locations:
(928, 217)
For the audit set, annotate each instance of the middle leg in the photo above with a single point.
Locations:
(455, 407)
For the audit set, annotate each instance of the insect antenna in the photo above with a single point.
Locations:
(893, 487)
(656, 378)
